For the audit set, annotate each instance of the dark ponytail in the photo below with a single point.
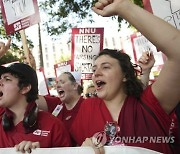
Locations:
(29, 121)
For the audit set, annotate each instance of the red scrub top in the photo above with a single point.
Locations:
(135, 120)
(50, 133)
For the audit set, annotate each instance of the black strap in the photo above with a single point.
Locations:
(154, 116)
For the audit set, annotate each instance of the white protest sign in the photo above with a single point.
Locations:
(84, 150)
(86, 44)
(42, 83)
(127, 47)
(19, 14)
(18, 9)
(169, 10)
(62, 67)
(142, 44)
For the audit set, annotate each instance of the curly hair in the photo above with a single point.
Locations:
(133, 86)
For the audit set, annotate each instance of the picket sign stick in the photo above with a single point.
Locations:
(25, 46)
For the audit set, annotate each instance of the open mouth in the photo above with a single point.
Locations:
(61, 93)
(100, 84)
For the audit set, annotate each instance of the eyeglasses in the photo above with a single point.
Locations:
(91, 95)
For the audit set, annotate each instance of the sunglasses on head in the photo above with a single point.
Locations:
(91, 94)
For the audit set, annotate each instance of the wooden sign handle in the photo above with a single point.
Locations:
(25, 46)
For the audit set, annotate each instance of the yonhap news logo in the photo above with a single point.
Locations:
(99, 139)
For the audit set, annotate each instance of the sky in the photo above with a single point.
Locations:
(110, 29)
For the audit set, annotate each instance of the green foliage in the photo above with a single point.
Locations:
(65, 14)
(8, 58)
(137, 2)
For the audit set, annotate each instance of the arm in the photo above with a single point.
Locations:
(27, 146)
(42, 104)
(4, 47)
(89, 143)
(48, 103)
(164, 36)
(32, 60)
(146, 61)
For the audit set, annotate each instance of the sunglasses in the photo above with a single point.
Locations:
(91, 95)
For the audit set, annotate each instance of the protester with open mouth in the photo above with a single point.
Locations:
(22, 124)
(66, 106)
(123, 108)
(69, 91)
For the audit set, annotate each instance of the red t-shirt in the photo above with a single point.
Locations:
(50, 133)
(52, 102)
(134, 121)
(67, 116)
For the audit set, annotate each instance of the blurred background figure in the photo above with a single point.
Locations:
(90, 91)
(68, 102)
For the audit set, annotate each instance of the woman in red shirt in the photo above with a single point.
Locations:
(123, 108)
(22, 124)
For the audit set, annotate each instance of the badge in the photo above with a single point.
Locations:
(57, 110)
(111, 129)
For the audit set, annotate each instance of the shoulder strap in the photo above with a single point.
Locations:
(154, 116)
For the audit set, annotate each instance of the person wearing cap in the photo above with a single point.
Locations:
(22, 124)
(122, 103)
(66, 106)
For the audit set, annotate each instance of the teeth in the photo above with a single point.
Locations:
(60, 92)
(99, 83)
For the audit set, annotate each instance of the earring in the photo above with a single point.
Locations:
(124, 79)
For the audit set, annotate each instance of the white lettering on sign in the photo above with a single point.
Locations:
(87, 44)
(17, 26)
(87, 38)
(87, 30)
(83, 67)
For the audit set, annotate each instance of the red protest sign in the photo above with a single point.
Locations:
(86, 44)
(19, 14)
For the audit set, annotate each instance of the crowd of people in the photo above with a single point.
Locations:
(119, 104)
